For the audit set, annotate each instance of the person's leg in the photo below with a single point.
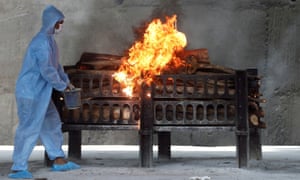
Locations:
(27, 133)
(51, 134)
(52, 138)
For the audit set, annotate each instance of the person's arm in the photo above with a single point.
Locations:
(63, 75)
(48, 70)
(65, 78)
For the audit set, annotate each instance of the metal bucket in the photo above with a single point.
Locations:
(73, 98)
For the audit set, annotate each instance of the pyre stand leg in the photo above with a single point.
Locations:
(164, 145)
(146, 128)
(255, 144)
(146, 151)
(242, 126)
(74, 150)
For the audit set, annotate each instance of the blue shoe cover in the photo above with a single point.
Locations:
(21, 175)
(65, 167)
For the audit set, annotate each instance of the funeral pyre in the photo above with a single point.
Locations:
(111, 83)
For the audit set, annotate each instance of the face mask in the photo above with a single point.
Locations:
(57, 31)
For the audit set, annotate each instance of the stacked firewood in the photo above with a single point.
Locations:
(94, 61)
(194, 61)
(254, 102)
(198, 61)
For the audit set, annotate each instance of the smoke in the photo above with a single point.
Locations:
(281, 69)
(282, 64)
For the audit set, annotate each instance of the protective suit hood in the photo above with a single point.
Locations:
(51, 15)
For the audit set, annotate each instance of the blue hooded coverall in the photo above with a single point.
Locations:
(40, 73)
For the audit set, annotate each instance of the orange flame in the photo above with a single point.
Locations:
(150, 56)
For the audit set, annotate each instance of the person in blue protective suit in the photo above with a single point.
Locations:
(41, 72)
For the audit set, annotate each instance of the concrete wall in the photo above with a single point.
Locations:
(238, 33)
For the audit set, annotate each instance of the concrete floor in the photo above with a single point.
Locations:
(188, 162)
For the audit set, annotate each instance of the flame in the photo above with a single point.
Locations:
(151, 55)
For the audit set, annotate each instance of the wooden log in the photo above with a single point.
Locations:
(191, 85)
(116, 112)
(198, 89)
(126, 113)
(254, 119)
(75, 115)
(102, 62)
(255, 113)
(65, 115)
(85, 112)
(221, 112)
(210, 112)
(95, 114)
(88, 72)
(105, 112)
(97, 61)
(257, 99)
(187, 112)
(136, 112)
(200, 112)
(261, 112)
(201, 55)
(253, 107)
(231, 112)
(262, 125)
(196, 60)
(89, 56)
(195, 68)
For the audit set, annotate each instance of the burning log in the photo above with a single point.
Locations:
(88, 56)
(198, 60)
(101, 65)
(94, 61)
(210, 68)
(196, 55)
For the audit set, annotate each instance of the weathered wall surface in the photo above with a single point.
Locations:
(281, 71)
(239, 34)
